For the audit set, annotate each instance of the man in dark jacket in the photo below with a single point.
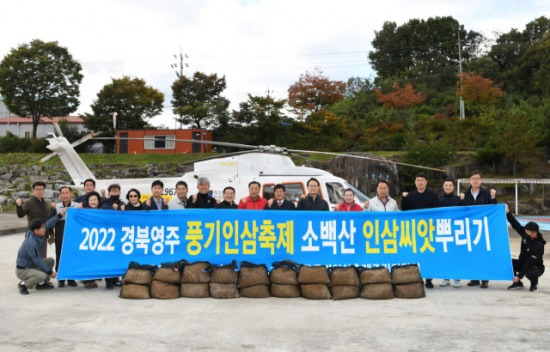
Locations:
(279, 202)
(203, 199)
(156, 202)
(421, 198)
(35, 208)
(66, 195)
(89, 187)
(228, 199)
(530, 262)
(31, 268)
(313, 200)
(477, 195)
(114, 201)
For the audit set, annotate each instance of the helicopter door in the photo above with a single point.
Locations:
(335, 192)
(294, 191)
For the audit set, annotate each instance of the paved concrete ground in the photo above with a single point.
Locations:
(10, 223)
(448, 319)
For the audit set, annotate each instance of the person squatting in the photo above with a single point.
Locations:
(35, 270)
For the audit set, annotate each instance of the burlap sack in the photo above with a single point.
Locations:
(285, 291)
(162, 290)
(219, 290)
(249, 276)
(137, 276)
(313, 275)
(344, 277)
(196, 273)
(379, 275)
(257, 291)
(415, 290)
(194, 290)
(167, 275)
(315, 291)
(224, 275)
(405, 274)
(132, 291)
(283, 276)
(344, 292)
(377, 291)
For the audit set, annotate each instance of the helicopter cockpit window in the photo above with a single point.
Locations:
(335, 192)
(293, 191)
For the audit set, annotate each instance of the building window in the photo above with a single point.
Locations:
(27, 134)
(160, 142)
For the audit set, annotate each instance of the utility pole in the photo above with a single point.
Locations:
(461, 102)
(178, 68)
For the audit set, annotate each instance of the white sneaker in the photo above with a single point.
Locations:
(456, 283)
(444, 283)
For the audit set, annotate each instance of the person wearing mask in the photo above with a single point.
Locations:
(313, 200)
(156, 202)
(35, 208)
(254, 201)
(113, 202)
(382, 201)
(228, 199)
(279, 201)
(180, 200)
(349, 202)
(449, 199)
(530, 262)
(203, 199)
(421, 198)
(66, 197)
(133, 196)
(31, 268)
(477, 195)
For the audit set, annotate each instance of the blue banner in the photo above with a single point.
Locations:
(454, 243)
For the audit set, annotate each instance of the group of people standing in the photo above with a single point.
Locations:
(33, 270)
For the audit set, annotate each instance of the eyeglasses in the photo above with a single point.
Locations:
(132, 196)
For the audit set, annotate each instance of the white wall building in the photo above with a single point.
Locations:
(22, 126)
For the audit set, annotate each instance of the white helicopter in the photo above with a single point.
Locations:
(269, 165)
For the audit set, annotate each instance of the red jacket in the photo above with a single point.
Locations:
(351, 207)
(259, 204)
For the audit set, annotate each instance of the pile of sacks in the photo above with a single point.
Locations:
(287, 280)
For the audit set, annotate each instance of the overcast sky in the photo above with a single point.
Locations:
(256, 44)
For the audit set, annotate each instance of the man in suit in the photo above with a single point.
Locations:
(156, 202)
(279, 202)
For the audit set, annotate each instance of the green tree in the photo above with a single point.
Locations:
(40, 79)
(423, 49)
(263, 116)
(198, 100)
(131, 98)
(514, 135)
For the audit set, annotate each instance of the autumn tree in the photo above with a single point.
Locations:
(198, 101)
(40, 79)
(476, 89)
(314, 92)
(400, 98)
(131, 98)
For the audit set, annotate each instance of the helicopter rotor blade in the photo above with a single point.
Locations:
(74, 144)
(366, 158)
(223, 144)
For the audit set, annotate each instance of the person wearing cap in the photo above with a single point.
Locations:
(530, 263)
(31, 268)
(203, 199)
